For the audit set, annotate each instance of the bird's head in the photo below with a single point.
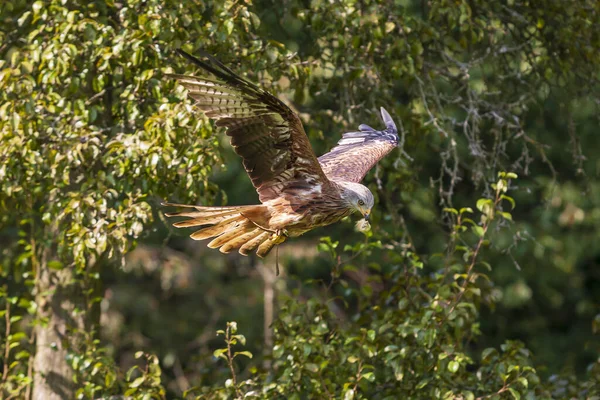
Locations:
(359, 198)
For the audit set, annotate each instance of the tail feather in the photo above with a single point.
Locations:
(236, 230)
(266, 246)
(204, 208)
(252, 244)
(199, 213)
(229, 227)
(216, 230)
(198, 221)
(205, 212)
(240, 240)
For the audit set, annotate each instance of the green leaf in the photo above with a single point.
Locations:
(501, 185)
(482, 204)
(229, 26)
(349, 394)
(468, 221)
(22, 354)
(307, 349)
(510, 200)
(109, 379)
(55, 265)
(487, 265)
(453, 366)
(240, 338)
(370, 376)
(312, 367)
(371, 335)
(478, 230)
(242, 353)
(220, 353)
(16, 119)
(97, 367)
(36, 7)
(422, 383)
(137, 382)
(487, 353)
(523, 381)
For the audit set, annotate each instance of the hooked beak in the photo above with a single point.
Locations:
(367, 216)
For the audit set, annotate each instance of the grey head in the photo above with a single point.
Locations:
(358, 197)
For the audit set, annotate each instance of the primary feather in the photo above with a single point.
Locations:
(264, 131)
(357, 152)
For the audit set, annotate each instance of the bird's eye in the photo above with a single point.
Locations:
(361, 203)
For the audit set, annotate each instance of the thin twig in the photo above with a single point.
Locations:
(94, 97)
(473, 261)
(30, 369)
(230, 361)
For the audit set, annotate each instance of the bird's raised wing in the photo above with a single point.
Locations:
(266, 133)
(357, 152)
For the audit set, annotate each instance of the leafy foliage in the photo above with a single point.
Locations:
(461, 259)
(90, 131)
(409, 333)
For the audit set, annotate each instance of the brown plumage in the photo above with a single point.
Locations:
(298, 192)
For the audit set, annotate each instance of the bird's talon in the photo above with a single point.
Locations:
(279, 236)
(282, 232)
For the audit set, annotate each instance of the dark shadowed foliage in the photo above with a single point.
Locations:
(480, 277)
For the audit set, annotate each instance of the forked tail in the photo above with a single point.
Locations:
(229, 228)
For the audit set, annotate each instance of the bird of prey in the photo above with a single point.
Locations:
(298, 191)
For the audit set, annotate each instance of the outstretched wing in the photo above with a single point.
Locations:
(269, 137)
(357, 152)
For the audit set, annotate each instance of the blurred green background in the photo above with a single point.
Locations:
(477, 87)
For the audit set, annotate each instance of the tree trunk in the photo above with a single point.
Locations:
(267, 271)
(58, 294)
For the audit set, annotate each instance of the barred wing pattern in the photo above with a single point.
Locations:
(266, 133)
(357, 152)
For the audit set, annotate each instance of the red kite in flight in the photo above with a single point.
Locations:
(298, 191)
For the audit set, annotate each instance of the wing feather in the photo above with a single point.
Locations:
(264, 132)
(357, 152)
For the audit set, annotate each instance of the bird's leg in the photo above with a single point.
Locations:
(277, 261)
(279, 237)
